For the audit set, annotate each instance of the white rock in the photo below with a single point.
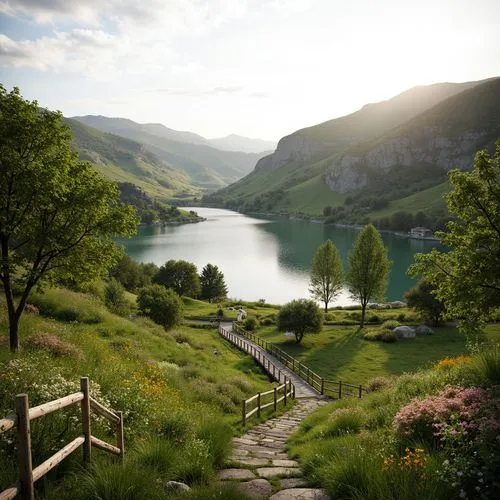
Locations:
(404, 332)
(424, 330)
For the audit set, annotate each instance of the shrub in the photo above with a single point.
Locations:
(114, 297)
(54, 345)
(344, 421)
(159, 454)
(390, 324)
(162, 305)
(487, 364)
(251, 324)
(31, 309)
(377, 384)
(217, 435)
(447, 363)
(175, 426)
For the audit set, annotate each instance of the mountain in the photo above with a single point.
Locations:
(367, 163)
(208, 168)
(235, 142)
(127, 161)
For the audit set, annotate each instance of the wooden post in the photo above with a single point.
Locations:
(284, 400)
(274, 371)
(24, 447)
(360, 392)
(87, 445)
(279, 374)
(293, 388)
(322, 385)
(120, 442)
(243, 411)
(340, 390)
(275, 398)
(258, 404)
(293, 364)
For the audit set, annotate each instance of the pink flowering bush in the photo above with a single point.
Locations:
(422, 419)
(463, 423)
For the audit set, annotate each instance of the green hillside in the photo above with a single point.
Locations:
(125, 160)
(400, 151)
(208, 168)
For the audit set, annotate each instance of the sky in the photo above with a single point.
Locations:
(259, 68)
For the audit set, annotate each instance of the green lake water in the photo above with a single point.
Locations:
(263, 258)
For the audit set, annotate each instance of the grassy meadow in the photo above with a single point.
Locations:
(180, 392)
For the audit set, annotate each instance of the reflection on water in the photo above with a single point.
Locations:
(263, 258)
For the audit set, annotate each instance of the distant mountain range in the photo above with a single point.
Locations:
(207, 167)
(391, 155)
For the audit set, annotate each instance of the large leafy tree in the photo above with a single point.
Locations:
(300, 316)
(467, 278)
(327, 276)
(212, 283)
(422, 298)
(57, 214)
(368, 268)
(181, 276)
(162, 305)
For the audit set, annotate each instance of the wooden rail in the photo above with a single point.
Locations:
(21, 419)
(288, 388)
(263, 400)
(330, 388)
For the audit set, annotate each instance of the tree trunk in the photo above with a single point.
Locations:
(14, 333)
(298, 336)
(363, 312)
(326, 307)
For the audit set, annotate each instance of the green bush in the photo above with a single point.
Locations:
(390, 324)
(114, 297)
(218, 437)
(251, 324)
(162, 305)
(158, 454)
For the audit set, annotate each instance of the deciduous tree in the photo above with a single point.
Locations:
(327, 276)
(181, 276)
(57, 214)
(161, 304)
(467, 278)
(368, 268)
(422, 298)
(300, 316)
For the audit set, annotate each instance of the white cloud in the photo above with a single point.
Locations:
(199, 92)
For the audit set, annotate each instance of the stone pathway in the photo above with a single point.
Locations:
(259, 464)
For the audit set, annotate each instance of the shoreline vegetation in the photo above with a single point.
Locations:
(315, 220)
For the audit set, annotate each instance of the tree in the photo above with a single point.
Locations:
(300, 316)
(162, 305)
(421, 297)
(57, 214)
(327, 276)
(212, 283)
(467, 278)
(368, 268)
(181, 276)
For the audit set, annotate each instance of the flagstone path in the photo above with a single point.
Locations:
(259, 464)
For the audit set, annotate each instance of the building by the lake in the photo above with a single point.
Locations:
(420, 232)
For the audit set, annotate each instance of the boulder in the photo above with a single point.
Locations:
(176, 487)
(397, 304)
(424, 330)
(373, 305)
(404, 332)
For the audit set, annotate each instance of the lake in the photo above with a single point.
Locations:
(264, 258)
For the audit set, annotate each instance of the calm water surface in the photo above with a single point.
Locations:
(263, 258)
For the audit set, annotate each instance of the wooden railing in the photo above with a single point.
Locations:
(263, 400)
(21, 420)
(288, 388)
(330, 388)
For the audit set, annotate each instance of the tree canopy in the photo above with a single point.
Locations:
(57, 214)
(421, 298)
(327, 276)
(212, 283)
(300, 316)
(181, 276)
(368, 268)
(467, 278)
(162, 305)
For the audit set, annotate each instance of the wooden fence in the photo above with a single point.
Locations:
(330, 388)
(21, 420)
(263, 400)
(258, 402)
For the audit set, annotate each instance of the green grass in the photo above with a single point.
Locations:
(342, 353)
(427, 200)
(180, 400)
(350, 447)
